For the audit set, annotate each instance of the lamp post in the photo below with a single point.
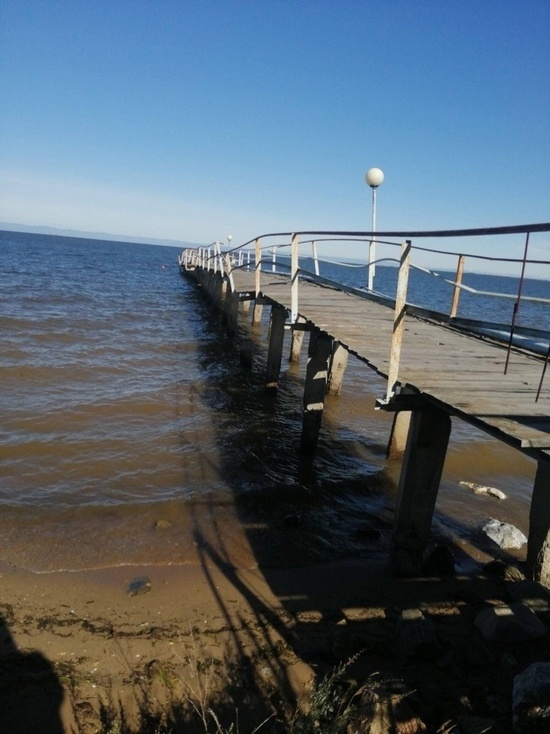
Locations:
(374, 178)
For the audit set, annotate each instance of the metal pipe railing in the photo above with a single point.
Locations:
(405, 264)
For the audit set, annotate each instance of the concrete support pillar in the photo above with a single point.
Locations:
(338, 364)
(538, 547)
(275, 349)
(221, 290)
(319, 354)
(246, 353)
(231, 306)
(398, 436)
(206, 281)
(297, 341)
(418, 486)
(245, 307)
(257, 313)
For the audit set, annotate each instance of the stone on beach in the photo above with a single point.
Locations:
(503, 534)
(531, 699)
(510, 623)
(139, 585)
(504, 571)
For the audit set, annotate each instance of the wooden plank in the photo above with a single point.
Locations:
(460, 371)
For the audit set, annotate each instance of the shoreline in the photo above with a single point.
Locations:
(101, 651)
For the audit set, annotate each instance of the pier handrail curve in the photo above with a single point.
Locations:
(232, 258)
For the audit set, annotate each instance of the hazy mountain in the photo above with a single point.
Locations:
(39, 229)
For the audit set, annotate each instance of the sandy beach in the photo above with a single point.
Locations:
(83, 652)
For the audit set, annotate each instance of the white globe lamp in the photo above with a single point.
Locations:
(374, 177)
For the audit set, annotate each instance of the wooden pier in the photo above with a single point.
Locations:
(441, 372)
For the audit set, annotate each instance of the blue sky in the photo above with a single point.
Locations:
(193, 120)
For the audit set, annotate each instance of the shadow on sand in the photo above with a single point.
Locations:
(30, 691)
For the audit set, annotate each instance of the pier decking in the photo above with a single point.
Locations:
(440, 371)
(461, 373)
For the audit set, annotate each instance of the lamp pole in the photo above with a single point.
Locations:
(373, 177)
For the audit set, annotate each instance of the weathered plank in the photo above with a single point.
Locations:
(461, 372)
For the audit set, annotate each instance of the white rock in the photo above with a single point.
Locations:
(482, 489)
(504, 534)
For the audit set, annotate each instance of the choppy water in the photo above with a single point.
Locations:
(124, 404)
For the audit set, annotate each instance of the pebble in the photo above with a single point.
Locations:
(139, 585)
(162, 524)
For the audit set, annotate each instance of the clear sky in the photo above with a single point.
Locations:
(191, 120)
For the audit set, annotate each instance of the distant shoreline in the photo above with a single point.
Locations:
(79, 234)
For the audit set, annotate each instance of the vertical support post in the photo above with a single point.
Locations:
(538, 546)
(220, 259)
(232, 311)
(275, 349)
(458, 283)
(230, 275)
(274, 259)
(221, 290)
(257, 312)
(296, 341)
(399, 316)
(315, 258)
(338, 364)
(418, 486)
(257, 266)
(398, 435)
(517, 303)
(543, 373)
(294, 279)
(319, 353)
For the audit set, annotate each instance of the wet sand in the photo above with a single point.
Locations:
(78, 649)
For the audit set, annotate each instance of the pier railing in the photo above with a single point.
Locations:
(295, 255)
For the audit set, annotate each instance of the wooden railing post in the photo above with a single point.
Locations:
(257, 312)
(230, 275)
(399, 317)
(294, 280)
(458, 283)
(257, 265)
(219, 258)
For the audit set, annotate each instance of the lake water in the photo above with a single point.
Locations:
(131, 432)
